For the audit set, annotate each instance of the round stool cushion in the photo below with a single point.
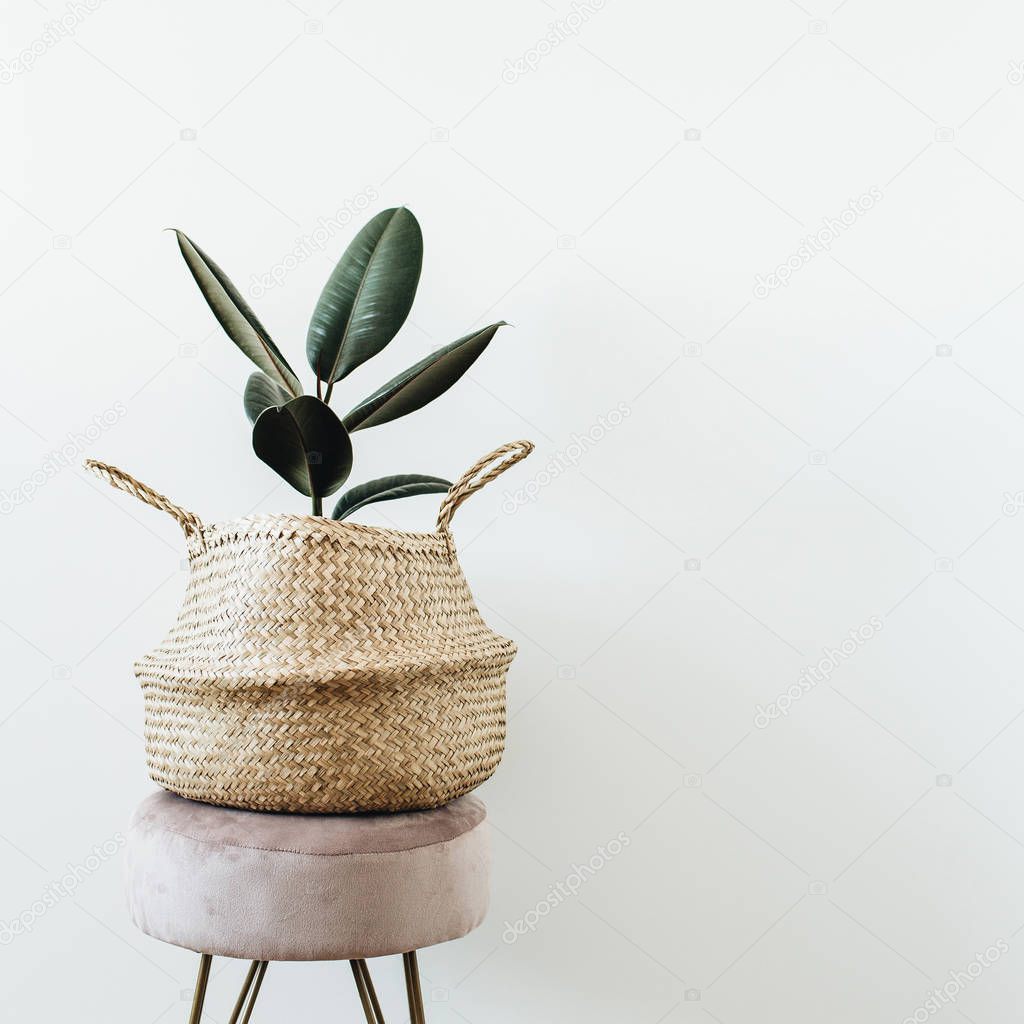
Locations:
(266, 886)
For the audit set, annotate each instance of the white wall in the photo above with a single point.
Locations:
(791, 466)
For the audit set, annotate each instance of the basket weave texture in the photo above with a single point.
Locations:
(325, 666)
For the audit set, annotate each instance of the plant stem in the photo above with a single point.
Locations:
(327, 393)
(318, 506)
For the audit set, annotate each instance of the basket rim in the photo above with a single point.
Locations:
(296, 524)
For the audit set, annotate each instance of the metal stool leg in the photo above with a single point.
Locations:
(199, 996)
(412, 988)
(367, 993)
(246, 985)
(260, 968)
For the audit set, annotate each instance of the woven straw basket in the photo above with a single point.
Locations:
(325, 666)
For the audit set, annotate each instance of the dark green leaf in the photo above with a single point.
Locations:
(368, 295)
(387, 488)
(261, 393)
(235, 316)
(415, 387)
(305, 442)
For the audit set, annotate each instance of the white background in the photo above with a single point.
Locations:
(789, 467)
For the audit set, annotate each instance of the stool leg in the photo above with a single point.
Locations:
(261, 969)
(200, 992)
(412, 988)
(367, 993)
(246, 985)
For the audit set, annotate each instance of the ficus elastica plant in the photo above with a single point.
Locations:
(361, 309)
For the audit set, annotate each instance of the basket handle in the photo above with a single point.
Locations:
(188, 521)
(474, 478)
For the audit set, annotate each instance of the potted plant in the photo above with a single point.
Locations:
(320, 665)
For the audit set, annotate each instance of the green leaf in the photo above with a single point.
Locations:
(235, 316)
(387, 488)
(368, 295)
(415, 387)
(304, 442)
(261, 393)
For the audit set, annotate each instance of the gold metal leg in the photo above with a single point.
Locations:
(261, 969)
(367, 993)
(246, 985)
(373, 992)
(200, 993)
(412, 988)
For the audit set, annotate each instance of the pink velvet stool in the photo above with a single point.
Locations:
(262, 887)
